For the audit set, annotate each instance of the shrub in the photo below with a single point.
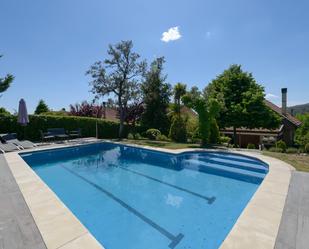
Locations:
(178, 129)
(130, 136)
(152, 134)
(292, 150)
(214, 132)
(225, 139)
(106, 129)
(307, 148)
(281, 144)
(162, 138)
(4, 112)
(137, 136)
(251, 146)
(275, 149)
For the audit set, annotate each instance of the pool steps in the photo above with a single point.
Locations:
(228, 171)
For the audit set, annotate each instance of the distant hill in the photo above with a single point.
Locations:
(301, 109)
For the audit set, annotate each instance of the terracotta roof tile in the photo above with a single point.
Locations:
(288, 116)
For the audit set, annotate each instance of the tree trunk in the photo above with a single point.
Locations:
(121, 124)
(234, 135)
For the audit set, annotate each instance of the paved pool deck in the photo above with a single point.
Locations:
(294, 227)
(257, 226)
(17, 226)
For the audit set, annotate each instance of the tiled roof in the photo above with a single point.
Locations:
(288, 116)
(229, 130)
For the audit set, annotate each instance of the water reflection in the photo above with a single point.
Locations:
(173, 200)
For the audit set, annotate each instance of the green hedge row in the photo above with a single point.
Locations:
(106, 129)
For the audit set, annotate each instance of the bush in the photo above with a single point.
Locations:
(214, 135)
(251, 146)
(178, 129)
(307, 148)
(152, 134)
(275, 149)
(130, 136)
(292, 150)
(281, 144)
(106, 129)
(162, 138)
(225, 139)
(4, 112)
(137, 136)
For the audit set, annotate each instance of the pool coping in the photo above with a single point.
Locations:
(256, 227)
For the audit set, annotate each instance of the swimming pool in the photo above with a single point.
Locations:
(130, 197)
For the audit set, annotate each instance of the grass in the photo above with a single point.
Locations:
(299, 161)
(162, 144)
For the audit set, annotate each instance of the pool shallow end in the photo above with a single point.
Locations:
(257, 226)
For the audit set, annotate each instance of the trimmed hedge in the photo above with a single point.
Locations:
(106, 129)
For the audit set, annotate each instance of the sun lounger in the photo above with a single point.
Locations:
(11, 138)
(8, 147)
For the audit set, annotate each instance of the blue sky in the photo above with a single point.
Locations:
(48, 45)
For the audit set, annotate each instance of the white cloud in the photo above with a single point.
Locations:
(271, 96)
(172, 34)
(208, 34)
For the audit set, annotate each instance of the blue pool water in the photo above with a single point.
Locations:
(136, 199)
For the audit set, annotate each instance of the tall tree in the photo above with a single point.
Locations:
(5, 82)
(41, 107)
(207, 109)
(242, 100)
(178, 128)
(179, 91)
(156, 96)
(120, 75)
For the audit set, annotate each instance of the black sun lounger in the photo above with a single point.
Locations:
(11, 138)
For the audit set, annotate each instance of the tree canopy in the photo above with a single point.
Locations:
(207, 109)
(302, 133)
(179, 90)
(120, 75)
(242, 100)
(156, 96)
(41, 107)
(5, 82)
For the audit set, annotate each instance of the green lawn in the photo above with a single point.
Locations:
(162, 144)
(299, 162)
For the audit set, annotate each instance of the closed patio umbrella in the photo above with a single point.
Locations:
(22, 113)
(23, 118)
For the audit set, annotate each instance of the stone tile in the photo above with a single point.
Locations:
(281, 245)
(276, 188)
(83, 242)
(59, 230)
(302, 237)
(271, 201)
(247, 239)
(47, 209)
(287, 235)
(261, 219)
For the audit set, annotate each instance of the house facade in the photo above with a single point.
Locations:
(285, 132)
